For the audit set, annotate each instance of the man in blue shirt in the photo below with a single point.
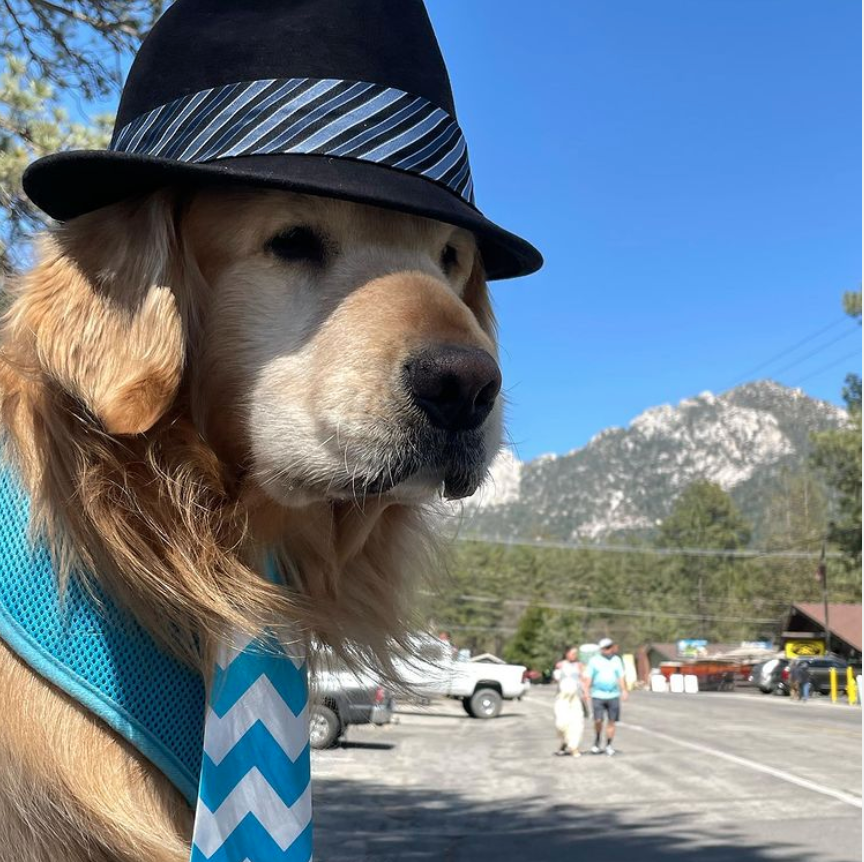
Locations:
(605, 677)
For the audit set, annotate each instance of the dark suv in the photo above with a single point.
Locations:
(820, 673)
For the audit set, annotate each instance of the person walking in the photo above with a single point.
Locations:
(805, 681)
(605, 680)
(569, 709)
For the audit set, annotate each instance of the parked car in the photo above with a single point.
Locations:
(772, 676)
(340, 697)
(431, 669)
(820, 673)
(755, 673)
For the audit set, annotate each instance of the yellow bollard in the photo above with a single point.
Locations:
(833, 674)
(851, 687)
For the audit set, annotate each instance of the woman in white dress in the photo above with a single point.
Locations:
(569, 714)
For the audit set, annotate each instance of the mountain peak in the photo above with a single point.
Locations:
(627, 479)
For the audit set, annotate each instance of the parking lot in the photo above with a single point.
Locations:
(708, 776)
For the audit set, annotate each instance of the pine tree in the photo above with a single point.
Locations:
(838, 455)
(56, 54)
(525, 645)
(705, 517)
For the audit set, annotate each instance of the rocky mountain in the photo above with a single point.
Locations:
(625, 480)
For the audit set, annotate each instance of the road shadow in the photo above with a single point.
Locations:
(366, 746)
(359, 821)
(431, 713)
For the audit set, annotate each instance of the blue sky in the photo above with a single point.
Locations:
(691, 170)
(692, 173)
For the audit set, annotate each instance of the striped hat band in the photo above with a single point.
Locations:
(310, 116)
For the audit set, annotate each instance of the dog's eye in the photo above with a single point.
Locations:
(449, 258)
(298, 244)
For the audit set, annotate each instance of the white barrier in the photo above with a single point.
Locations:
(676, 683)
(691, 684)
(658, 683)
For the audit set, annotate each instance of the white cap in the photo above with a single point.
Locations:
(605, 643)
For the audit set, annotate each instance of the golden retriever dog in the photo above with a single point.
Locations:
(193, 383)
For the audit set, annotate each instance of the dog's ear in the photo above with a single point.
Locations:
(476, 297)
(103, 307)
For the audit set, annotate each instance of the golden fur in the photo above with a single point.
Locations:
(183, 404)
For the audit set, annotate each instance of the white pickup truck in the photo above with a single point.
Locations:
(431, 670)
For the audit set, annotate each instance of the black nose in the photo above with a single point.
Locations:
(454, 386)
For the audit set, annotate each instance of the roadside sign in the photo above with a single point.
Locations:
(692, 647)
(804, 648)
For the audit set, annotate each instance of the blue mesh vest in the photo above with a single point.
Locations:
(96, 652)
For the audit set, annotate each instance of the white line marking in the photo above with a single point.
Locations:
(848, 798)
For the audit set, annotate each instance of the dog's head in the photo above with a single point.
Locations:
(329, 350)
(355, 346)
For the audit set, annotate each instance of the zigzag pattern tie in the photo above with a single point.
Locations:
(255, 796)
(327, 117)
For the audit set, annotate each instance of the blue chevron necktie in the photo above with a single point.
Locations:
(255, 796)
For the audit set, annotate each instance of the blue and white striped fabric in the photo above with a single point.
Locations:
(330, 117)
(255, 796)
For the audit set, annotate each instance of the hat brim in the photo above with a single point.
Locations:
(67, 185)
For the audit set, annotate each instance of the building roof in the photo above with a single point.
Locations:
(670, 650)
(844, 619)
(747, 654)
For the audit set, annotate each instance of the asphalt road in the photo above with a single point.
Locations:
(707, 777)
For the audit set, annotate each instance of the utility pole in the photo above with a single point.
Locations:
(823, 579)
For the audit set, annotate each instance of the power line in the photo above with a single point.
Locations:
(833, 364)
(591, 609)
(640, 549)
(816, 351)
(502, 629)
(525, 602)
(588, 591)
(791, 349)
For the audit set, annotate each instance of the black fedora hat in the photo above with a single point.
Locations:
(342, 98)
